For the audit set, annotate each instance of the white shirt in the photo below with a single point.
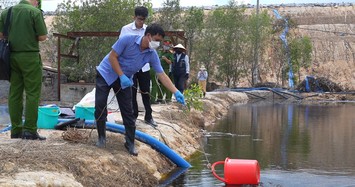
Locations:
(202, 75)
(133, 30)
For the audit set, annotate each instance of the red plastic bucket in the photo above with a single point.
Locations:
(239, 171)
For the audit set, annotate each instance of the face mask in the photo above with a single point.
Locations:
(178, 51)
(166, 47)
(154, 44)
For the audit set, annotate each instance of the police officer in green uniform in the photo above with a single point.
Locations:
(166, 58)
(27, 28)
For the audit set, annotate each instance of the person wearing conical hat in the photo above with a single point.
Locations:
(180, 67)
(202, 79)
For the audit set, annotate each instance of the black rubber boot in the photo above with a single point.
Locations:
(101, 130)
(32, 136)
(129, 144)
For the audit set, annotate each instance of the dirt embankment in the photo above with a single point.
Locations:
(57, 162)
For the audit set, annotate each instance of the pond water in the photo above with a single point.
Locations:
(295, 145)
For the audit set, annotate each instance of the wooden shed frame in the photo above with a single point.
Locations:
(175, 36)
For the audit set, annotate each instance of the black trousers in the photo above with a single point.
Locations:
(179, 81)
(124, 99)
(143, 80)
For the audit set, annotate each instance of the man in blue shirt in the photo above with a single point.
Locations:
(128, 55)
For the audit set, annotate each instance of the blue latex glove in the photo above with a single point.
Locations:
(125, 81)
(179, 97)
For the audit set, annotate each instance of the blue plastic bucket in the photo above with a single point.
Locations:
(85, 112)
(47, 117)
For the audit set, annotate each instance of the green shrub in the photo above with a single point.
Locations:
(192, 97)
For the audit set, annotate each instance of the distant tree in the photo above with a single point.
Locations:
(169, 16)
(192, 25)
(277, 64)
(223, 39)
(206, 50)
(258, 30)
(301, 54)
(230, 22)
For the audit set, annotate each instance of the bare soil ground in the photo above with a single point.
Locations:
(58, 162)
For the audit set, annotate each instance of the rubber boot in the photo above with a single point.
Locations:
(129, 144)
(101, 130)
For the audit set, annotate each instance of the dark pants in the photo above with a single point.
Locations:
(143, 80)
(179, 81)
(26, 76)
(124, 99)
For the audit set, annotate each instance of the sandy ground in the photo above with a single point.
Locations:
(59, 162)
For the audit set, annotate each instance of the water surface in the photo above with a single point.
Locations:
(295, 145)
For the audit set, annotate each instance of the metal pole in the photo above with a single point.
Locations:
(58, 68)
(255, 73)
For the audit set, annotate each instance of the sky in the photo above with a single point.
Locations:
(51, 5)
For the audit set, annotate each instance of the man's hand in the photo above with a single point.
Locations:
(187, 76)
(125, 81)
(179, 97)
